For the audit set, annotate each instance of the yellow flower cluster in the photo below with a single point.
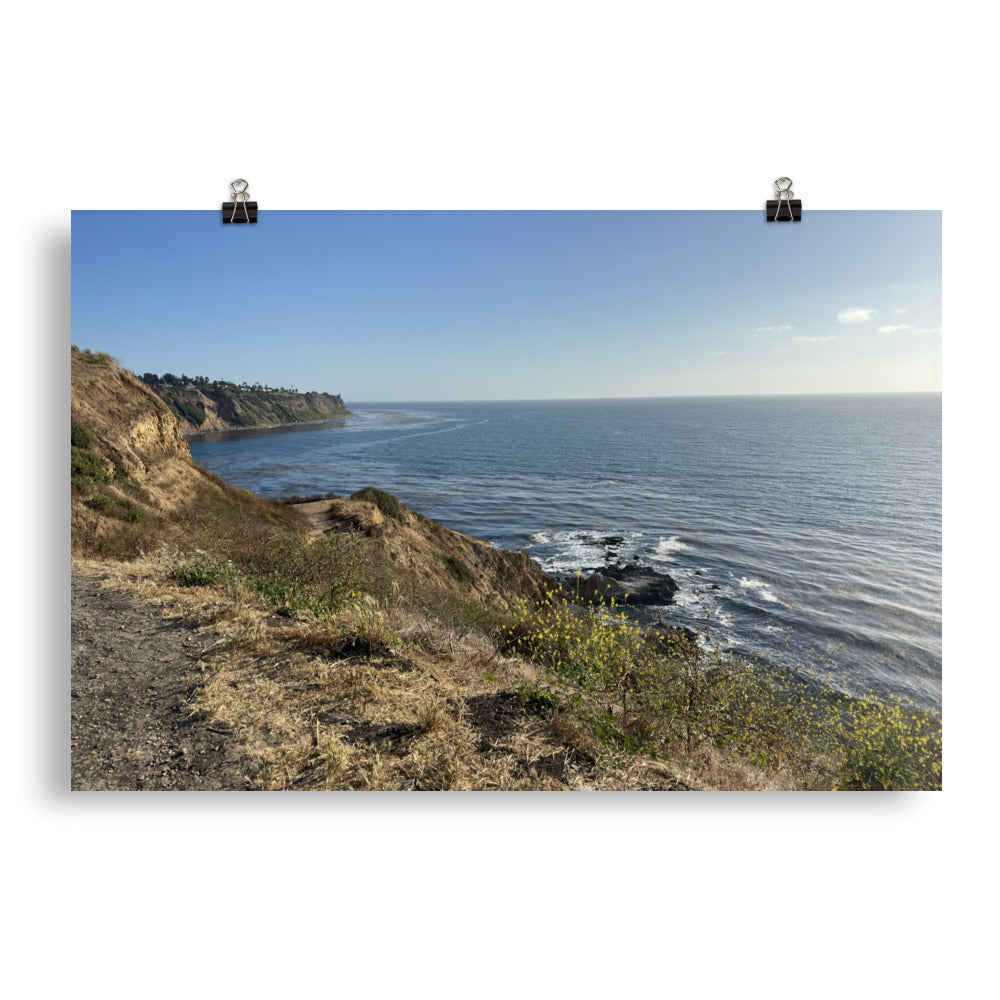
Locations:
(642, 689)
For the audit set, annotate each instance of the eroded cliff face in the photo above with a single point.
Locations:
(204, 409)
(129, 425)
(133, 467)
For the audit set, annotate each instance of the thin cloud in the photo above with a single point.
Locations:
(929, 329)
(775, 329)
(855, 315)
(814, 340)
(894, 327)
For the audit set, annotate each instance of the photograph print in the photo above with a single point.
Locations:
(506, 501)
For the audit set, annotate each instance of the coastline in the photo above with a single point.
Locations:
(221, 433)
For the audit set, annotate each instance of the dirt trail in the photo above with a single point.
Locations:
(134, 673)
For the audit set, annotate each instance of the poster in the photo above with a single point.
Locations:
(692, 530)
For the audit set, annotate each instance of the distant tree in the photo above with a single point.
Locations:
(150, 379)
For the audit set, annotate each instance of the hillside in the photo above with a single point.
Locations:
(220, 640)
(134, 484)
(342, 643)
(200, 405)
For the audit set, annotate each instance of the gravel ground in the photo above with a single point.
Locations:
(134, 674)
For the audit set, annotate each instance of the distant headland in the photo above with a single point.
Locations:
(201, 404)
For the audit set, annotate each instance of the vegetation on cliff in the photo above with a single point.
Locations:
(202, 405)
(353, 643)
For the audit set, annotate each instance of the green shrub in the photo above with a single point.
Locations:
(203, 572)
(385, 501)
(291, 573)
(96, 358)
(458, 568)
(194, 413)
(883, 744)
(663, 694)
(79, 435)
(87, 464)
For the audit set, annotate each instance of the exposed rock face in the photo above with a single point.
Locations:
(638, 585)
(129, 424)
(205, 409)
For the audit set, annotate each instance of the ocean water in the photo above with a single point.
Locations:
(804, 530)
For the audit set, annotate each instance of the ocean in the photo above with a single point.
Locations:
(804, 530)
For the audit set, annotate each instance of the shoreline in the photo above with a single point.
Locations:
(210, 434)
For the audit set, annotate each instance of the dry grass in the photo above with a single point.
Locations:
(375, 698)
(384, 697)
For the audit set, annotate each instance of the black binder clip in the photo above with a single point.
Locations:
(239, 209)
(784, 208)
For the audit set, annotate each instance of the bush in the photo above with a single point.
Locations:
(385, 501)
(642, 691)
(458, 568)
(193, 413)
(97, 358)
(883, 745)
(87, 465)
(203, 572)
(291, 573)
(79, 436)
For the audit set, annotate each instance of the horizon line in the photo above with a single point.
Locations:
(705, 395)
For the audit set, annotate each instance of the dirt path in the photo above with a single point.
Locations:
(133, 676)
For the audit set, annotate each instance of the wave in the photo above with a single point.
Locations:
(585, 550)
(759, 588)
(667, 548)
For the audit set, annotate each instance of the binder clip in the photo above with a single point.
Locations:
(239, 209)
(784, 208)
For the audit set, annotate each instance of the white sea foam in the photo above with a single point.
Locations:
(667, 548)
(586, 550)
(760, 588)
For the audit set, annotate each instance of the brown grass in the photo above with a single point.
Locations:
(410, 708)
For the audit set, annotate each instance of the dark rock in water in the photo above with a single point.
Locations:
(635, 585)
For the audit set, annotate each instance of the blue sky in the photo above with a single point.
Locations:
(406, 306)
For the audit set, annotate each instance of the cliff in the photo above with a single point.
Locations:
(135, 486)
(205, 406)
(129, 462)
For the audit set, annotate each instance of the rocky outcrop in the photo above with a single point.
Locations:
(129, 425)
(431, 557)
(638, 586)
